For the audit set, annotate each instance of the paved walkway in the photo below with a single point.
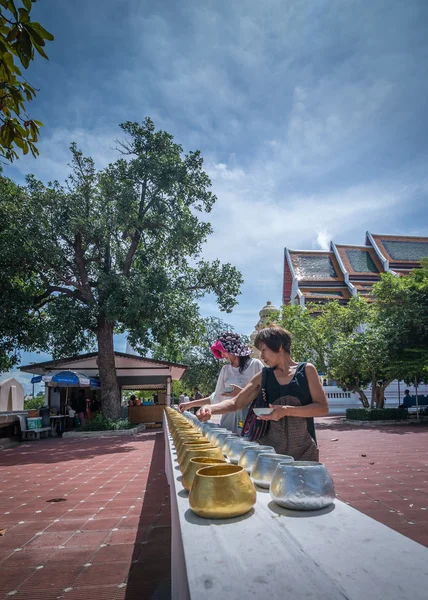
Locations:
(383, 472)
(110, 537)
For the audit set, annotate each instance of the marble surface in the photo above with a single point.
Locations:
(274, 553)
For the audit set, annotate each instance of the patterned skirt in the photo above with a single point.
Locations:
(290, 435)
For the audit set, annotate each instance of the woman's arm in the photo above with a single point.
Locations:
(243, 399)
(318, 407)
(200, 402)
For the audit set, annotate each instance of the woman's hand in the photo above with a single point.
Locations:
(204, 413)
(184, 406)
(235, 391)
(279, 412)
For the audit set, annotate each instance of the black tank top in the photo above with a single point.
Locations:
(297, 388)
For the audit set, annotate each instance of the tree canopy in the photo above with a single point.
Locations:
(111, 251)
(20, 39)
(204, 368)
(367, 344)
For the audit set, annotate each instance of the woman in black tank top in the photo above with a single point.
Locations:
(294, 436)
(294, 392)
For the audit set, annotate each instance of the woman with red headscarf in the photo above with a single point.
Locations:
(234, 376)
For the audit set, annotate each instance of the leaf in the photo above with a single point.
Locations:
(40, 50)
(33, 33)
(42, 31)
(24, 16)
(11, 6)
(57, 500)
(27, 4)
(2, 532)
(334, 440)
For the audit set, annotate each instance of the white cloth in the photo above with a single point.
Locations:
(181, 399)
(229, 375)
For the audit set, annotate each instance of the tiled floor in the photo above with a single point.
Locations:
(108, 540)
(383, 472)
(111, 537)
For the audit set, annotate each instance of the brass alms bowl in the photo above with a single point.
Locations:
(205, 451)
(195, 444)
(189, 440)
(222, 492)
(183, 433)
(194, 465)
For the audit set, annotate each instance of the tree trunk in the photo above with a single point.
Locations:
(110, 392)
(374, 386)
(363, 398)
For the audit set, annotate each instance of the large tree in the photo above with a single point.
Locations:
(20, 39)
(119, 249)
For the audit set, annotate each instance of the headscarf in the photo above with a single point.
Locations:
(231, 343)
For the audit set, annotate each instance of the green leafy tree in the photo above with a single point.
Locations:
(401, 309)
(20, 328)
(119, 249)
(204, 368)
(20, 38)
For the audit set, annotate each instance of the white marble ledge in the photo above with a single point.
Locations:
(274, 553)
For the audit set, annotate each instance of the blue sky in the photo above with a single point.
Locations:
(311, 115)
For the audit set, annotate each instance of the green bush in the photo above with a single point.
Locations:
(34, 403)
(377, 414)
(100, 423)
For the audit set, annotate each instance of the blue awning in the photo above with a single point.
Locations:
(67, 379)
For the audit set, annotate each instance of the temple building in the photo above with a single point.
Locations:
(345, 270)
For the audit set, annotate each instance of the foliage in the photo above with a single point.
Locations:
(101, 423)
(377, 414)
(112, 251)
(34, 403)
(204, 368)
(20, 38)
(362, 344)
(20, 328)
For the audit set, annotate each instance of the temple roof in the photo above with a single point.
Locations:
(359, 260)
(322, 295)
(315, 266)
(401, 249)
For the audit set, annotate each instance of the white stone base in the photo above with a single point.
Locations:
(89, 434)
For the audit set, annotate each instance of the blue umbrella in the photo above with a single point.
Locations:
(67, 379)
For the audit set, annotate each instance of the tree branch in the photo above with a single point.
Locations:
(137, 234)
(81, 266)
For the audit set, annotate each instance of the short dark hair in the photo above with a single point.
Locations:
(133, 397)
(196, 388)
(275, 338)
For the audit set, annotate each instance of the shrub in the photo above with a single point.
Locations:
(377, 414)
(101, 423)
(34, 403)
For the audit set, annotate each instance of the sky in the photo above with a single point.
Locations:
(310, 115)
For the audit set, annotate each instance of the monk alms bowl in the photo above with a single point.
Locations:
(190, 453)
(192, 444)
(265, 466)
(249, 455)
(236, 447)
(194, 465)
(222, 492)
(302, 485)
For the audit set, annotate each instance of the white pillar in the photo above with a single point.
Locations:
(168, 392)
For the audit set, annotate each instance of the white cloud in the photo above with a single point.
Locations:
(323, 240)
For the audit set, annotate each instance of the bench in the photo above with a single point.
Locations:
(28, 434)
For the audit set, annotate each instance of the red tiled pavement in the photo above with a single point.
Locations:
(111, 537)
(381, 471)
